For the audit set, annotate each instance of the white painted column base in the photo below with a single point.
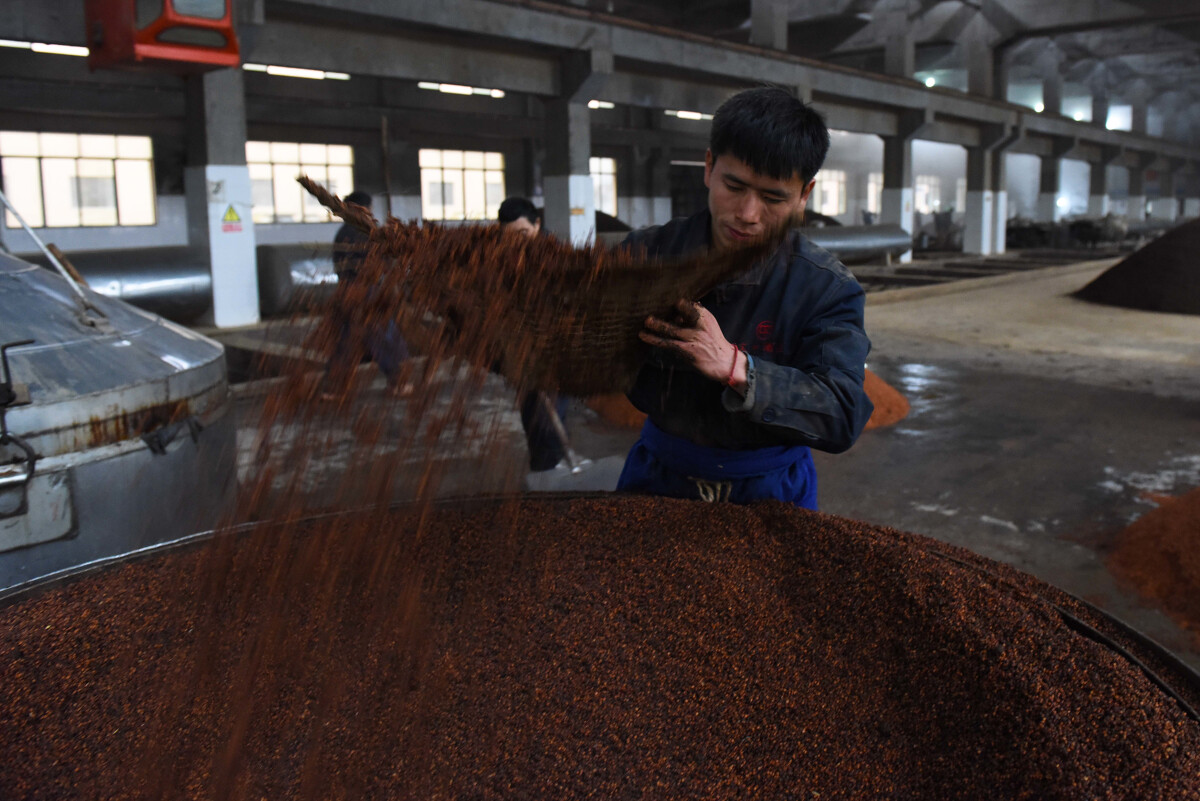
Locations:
(1098, 205)
(1000, 222)
(404, 207)
(897, 209)
(229, 236)
(1164, 208)
(570, 208)
(1047, 207)
(641, 211)
(1135, 208)
(979, 221)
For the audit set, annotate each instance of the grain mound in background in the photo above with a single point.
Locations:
(1159, 555)
(609, 648)
(890, 406)
(1161, 277)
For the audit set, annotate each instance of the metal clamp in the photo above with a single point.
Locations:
(10, 396)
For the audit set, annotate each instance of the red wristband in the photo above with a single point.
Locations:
(733, 367)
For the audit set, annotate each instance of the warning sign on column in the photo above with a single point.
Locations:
(231, 222)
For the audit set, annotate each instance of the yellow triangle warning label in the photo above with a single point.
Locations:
(231, 216)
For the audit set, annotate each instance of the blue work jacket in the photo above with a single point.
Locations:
(799, 314)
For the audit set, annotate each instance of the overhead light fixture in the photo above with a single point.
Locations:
(1078, 115)
(600, 104)
(43, 47)
(296, 72)
(459, 89)
(931, 82)
(687, 115)
(1039, 108)
(1063, 203)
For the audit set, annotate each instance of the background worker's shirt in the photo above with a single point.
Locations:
(799, 314)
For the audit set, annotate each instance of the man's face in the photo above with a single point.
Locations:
(523, 226)
(745, 204)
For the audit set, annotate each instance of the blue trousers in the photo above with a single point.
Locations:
(662, 464)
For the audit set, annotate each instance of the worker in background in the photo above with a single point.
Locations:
(519, 216)
(774, 361)
(386, 347)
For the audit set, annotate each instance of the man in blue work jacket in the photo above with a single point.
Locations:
(774, 362)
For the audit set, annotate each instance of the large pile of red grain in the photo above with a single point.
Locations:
(1159, 555)
(1162, 276)
(890, 406)
(625, 647)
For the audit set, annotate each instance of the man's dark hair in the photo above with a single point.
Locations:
(514, 208)
(358, 198)
(775, 134)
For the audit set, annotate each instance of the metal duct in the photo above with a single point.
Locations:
(174, 282)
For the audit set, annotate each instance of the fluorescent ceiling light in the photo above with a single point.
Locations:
(687, 115)
(1039, 108)
(295, 72)
(459, 89)
(1078, 116)
(57, 49)
(600, 104)
(931, 82)
(43, 47)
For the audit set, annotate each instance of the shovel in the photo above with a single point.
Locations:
(578, 474)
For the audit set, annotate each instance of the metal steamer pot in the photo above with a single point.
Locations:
(116, 429)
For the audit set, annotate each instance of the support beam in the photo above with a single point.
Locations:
(217, 187)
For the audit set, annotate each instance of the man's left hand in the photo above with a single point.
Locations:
(701, 343)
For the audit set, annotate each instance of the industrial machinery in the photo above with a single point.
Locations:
(116, 429)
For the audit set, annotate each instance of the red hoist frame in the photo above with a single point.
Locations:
(167, 40)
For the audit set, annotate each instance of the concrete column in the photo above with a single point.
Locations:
(647, 200)
(1135, 206)
(980, 215)
(1052, 94)
(1000, 202)
(1098, 199)
(981, 66)
(768, 23)
(898, 186)
(1166, 205)
(1141, 113)
(1191, 207)
(570, 207)
(900, 50)
(1051, 177)
(1100, 109)
(570, 204)
(219, 198)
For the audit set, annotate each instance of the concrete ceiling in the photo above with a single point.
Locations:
(1123, 50)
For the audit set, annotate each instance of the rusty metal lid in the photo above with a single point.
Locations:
(91, 385)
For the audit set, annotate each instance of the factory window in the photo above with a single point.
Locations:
(927, 194)
(461, 184)
(67, 180)
(875, 192)
(604, 184)
(273, 170)
(830, 193)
